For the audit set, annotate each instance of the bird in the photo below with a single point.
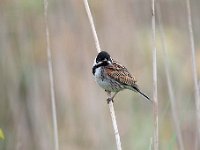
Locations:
(113, 77)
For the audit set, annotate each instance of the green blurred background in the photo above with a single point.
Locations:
(124, 30)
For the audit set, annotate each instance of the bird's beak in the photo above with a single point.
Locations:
(109, 62)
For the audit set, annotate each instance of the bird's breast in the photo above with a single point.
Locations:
(98, 73)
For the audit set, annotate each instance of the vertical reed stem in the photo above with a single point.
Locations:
(155, 100)
(87, 8)
(111, 107)
(51, 79)
(114, 122)
(194, 69)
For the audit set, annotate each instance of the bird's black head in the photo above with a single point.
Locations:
(103, 56)
(102, 59)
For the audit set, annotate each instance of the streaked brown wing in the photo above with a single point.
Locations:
(120, 74)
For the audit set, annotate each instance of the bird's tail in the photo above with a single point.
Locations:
(138, 90)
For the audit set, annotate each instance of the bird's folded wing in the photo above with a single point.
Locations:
(120, 74)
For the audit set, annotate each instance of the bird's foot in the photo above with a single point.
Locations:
(110, 99)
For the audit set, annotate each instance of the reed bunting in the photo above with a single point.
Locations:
(112, 76)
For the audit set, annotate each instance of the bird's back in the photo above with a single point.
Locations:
(119, 73)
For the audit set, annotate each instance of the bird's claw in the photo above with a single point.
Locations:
(109, 99)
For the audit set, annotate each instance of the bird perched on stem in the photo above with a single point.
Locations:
(112, 76)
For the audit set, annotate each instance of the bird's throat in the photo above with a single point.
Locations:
(104, 63)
